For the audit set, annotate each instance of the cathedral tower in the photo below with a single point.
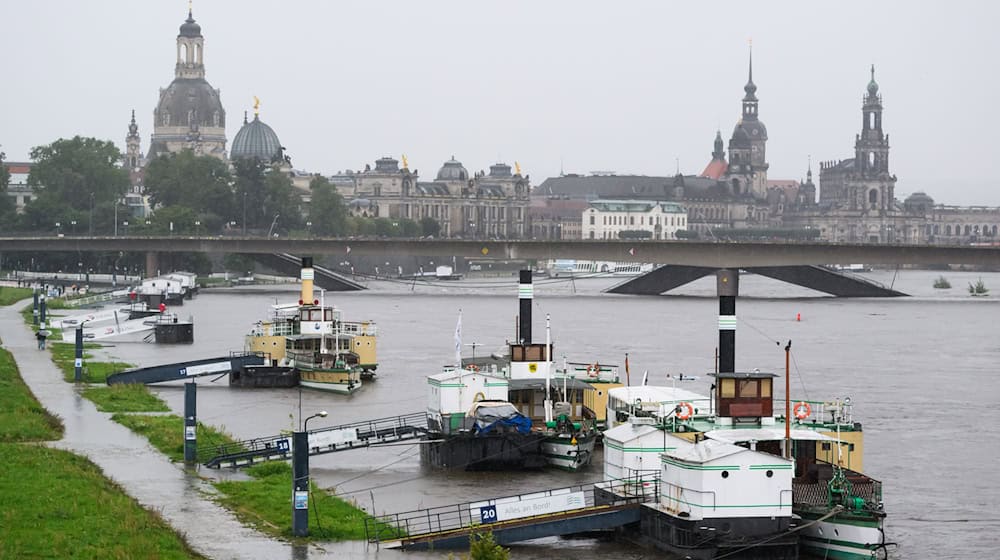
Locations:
(870, 185)
(747, 173)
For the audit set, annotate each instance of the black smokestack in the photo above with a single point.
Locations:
(728, 286)
(525, 293)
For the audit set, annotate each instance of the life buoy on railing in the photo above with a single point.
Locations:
(802, 410)
(684, 410)
(594, 369)
(472, 367)
(479, 397)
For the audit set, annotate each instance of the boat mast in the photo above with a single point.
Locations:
(548, 367)
(788, 410)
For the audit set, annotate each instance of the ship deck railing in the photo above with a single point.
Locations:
(456, 520)
(321, 440)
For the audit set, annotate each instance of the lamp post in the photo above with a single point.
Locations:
(91, 214)
(58, 229)
(116, 218)
(73, 223)
(309, 226)
(125, 225)
(197, 228)
(300, 478)
(244, 213)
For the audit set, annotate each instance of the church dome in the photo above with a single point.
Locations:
(452, 170)
(191, 103)
(255, 140)
(189, 28)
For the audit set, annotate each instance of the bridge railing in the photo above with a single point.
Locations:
(486, 514)
(322, 440)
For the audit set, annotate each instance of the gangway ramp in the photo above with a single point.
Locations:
(511, 519)
(185, 370)
(321, 441)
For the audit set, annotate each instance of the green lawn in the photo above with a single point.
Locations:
(125, 398)
(54, 504)
(10, 295)
(266, 503)
(64, 355)
(166, 433)
(21, 417)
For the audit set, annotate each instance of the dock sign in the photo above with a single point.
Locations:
(516, 508)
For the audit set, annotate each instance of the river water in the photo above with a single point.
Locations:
(922, 372)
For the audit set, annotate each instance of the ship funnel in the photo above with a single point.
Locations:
(727, 284)
(525, 295)
(307, 282)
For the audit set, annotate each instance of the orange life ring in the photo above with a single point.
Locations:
(802, 410)
(594, 369)
(472, 367)
(684, 410)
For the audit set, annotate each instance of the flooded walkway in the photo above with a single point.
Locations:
(146, 474)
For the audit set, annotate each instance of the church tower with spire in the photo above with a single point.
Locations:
(189, 115)
(132, 145)
(747, 172)
(871, 187)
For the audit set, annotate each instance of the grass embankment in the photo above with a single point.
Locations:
(54, 504)
(166, 433)
(64, 355)
(10, 295)
(21, 417)
(125, 398)
(266, 503)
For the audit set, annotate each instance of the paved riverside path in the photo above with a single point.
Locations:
(146, 474)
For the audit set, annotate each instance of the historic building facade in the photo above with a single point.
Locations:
(624, 219)
(483, 205)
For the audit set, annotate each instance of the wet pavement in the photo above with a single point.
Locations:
(128, 459)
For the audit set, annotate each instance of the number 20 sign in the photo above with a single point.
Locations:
(488, 514)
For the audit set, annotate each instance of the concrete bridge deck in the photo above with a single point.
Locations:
(689, 253)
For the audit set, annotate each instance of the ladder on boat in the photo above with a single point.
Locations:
(321, 441)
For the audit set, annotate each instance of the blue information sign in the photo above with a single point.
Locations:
(488, 514)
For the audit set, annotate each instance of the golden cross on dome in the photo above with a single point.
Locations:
(256, 106)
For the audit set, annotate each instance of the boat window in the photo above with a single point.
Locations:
(748, 387)
(327, 314)
(765, 388)
(727, 389)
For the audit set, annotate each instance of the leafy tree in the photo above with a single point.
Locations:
(429, 227)
(483, 546)
(176, 220)
(408, 228)
(77, 174)
(8, 208)
(263, 193)
(384, 227)
(327, 210)
(239, 263)
(202, 183)
(281, 202)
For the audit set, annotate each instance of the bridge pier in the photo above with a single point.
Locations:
(152, 264)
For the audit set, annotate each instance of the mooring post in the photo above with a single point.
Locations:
(728, 287)
(190, 422)
(300, 484)
(78, 363)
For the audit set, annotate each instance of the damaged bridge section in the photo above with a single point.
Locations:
(819, 278)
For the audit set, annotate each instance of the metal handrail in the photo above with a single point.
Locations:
(459, 517)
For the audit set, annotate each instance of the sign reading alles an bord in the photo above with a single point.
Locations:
(507, 509)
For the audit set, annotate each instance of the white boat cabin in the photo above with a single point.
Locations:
(632, 449)
(452, 393)
(712, 479)
(530, 361)
(652, 401)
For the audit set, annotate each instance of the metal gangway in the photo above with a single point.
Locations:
(182, 371)
(595, 506)
(321, 441)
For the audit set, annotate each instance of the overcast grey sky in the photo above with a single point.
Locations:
(630, 87)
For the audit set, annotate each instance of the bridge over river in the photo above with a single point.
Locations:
(690, 259)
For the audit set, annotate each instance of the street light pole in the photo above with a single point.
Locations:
(244, 213)
(300, 478)
(91, 214)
